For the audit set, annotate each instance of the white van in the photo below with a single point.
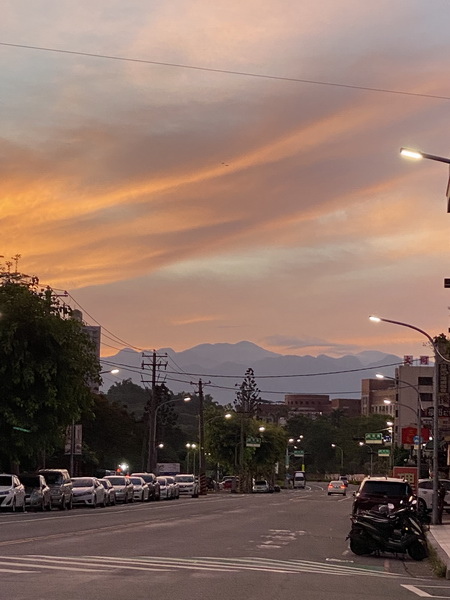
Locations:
(299, 480)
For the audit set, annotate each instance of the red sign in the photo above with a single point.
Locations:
(409, 433)
(407, 473)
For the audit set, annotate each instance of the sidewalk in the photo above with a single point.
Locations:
(439, 538)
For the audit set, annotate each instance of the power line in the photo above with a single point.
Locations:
(227, 71)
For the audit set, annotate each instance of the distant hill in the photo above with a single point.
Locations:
(224, 365)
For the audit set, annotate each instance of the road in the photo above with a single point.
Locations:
(222, 546)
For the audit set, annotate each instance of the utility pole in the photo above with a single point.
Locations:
(201, 438)
(155, 365)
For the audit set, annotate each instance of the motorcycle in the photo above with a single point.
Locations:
(399, 532)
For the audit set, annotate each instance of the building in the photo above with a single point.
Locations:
(350, 407)
(311, 405)
(94, 332)
(373, 394)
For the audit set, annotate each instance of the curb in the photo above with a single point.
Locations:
(441, 557)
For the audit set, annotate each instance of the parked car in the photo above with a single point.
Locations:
(12, 492)
(374, 491)
(122, 487)
(261, 486)
(60, 484)
(165, 493)
(337, 487)
(88, 491)
(151, 481)
(187, 484)
(141, 491)
(37, 492)
(425, 494)
(110, 492)
(174, 487)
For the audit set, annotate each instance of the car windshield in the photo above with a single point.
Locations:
(136, 480)
(30, 481)
(385, 488)
(184, 478)
(83, 482)
(117, 480)
(52, 478)
(5, 480)
(261, 482)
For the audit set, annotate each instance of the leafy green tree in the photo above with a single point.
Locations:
(47, 365)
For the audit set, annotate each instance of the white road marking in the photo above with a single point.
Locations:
(39, 563)
(415, 590)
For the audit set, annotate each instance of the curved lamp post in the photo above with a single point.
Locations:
(417, 155)
(418, 415)
(435, 510)
(153, 440)
(371, 456)
(342, 457)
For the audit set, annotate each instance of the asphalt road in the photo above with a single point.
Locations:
(222, 546)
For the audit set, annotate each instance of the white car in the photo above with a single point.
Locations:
(174, 487)
(12, 492)
(164, 488)
(88, 491)
(261, 486)
(425, 494)
(141, 490)
(122, 487)
(187, 484)
(110, 492)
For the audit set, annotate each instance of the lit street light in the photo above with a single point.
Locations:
(371, 456)
(435, 509)
(417, 155)
(342, 457)
(153, 443)
(419, 410)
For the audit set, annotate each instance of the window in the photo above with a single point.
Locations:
(425, 381)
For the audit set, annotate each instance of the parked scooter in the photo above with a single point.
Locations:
(399, 532)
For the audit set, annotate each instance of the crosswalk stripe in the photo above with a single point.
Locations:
(164, 564)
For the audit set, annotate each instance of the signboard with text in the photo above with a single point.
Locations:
(373, 438)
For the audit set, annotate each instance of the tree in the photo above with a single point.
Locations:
(47, 365)
(248, 395)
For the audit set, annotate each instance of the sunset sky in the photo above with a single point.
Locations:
(247, 187)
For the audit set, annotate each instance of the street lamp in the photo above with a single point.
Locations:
(435, 474)
(286, 461)
(371, 456)
(342, 457)
(190, 447)
(111, 371)
(417, 155)
(153, 443)
(419, 410)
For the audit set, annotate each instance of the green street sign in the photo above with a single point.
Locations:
(299, 453)
(373, 438)
(253, 442)
(384, 452)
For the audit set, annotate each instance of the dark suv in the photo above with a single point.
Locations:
(374, 491)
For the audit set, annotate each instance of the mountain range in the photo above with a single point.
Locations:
(222, 367)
